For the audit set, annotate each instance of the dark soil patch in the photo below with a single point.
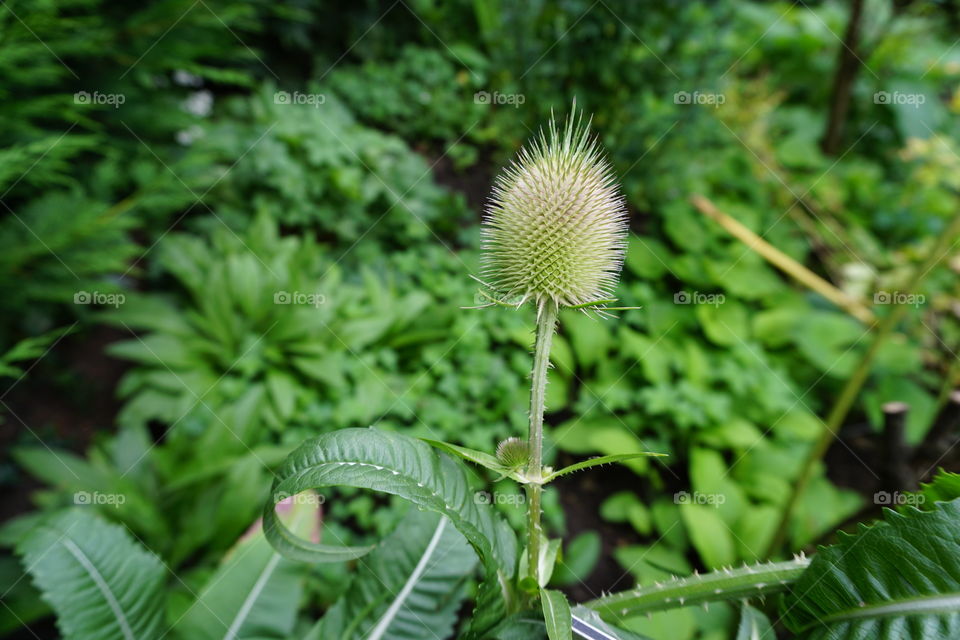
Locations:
(581, 496)
(65, 400)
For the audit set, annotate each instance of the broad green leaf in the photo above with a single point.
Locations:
(711, 536)
(255, 592)
(898, 579)
(725, 323)
(578, 560)
(754, 625)
(102, 584)
(410, 587)
(403, 466)
(587, 621)
(556, 615)
(625, 506)
(647, 257)
(589, 337)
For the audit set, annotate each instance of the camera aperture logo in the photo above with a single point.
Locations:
(499, 497)
(697, 497)
(701, 98)
(312, 99)
(97, 498)
(299, 298)
(96, 297)
(698, 297)
(899, 298)
(898, 499)
(485, 97)
(96, 98)
(899, 98)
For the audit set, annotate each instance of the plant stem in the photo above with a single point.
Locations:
(852, 388)
(546, 323)
(784, 262)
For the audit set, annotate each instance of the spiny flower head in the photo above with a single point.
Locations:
(555, 229)
(513, 453)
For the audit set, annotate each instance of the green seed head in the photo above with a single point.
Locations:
(513, 453)
(555, 229)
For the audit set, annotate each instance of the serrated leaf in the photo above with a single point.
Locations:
(102, 584)
(898, 579)
(409, 588)
(409, 468)
(255, 592)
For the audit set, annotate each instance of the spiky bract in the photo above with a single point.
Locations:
(555, 229)
(513, 453)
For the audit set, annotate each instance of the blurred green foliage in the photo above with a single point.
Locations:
(293, 268)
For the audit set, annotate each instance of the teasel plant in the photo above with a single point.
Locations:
(554, 236)
(553, 239)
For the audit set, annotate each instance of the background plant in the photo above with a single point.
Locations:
(732, 392)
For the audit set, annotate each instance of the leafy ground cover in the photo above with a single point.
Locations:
(230, 228)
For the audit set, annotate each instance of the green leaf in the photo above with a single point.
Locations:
(586, 620)
(578, 560)
(754, 625)
(255, 592)
(101, 583)
(589, 337)
(409, 588)
(403, 466)
(897, 579)
(944, 487)
(710, 535)
(556, 615)
(594, 462)
(549, 550)
(724, 323)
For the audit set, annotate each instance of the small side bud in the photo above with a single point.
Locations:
(513, 453)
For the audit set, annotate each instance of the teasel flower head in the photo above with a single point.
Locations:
(513, 453)
(555, 227)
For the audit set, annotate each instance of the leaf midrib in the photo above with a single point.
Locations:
(258, 587)
(388, 616)
(102, 585)
(926, 604)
